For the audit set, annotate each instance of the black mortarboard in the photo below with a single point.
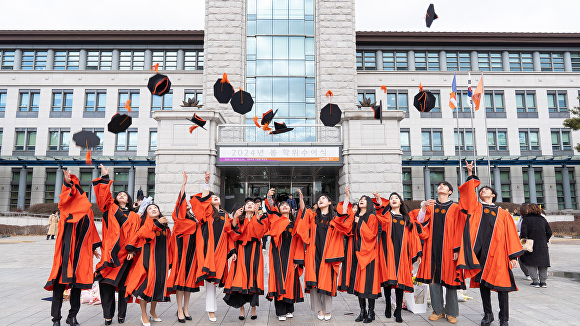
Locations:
(159, 85)
(424, 101)
(268, 117)
(378, 109)
(242, 102)
(198, 121)
(330, 115)
(280, 128)
(431, 15)
(223, 90)
(86, 139)
(119, 123)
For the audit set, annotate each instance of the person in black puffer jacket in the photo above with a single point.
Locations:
(535, 227)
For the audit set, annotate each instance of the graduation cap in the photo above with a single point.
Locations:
(242, 102)
(378, 109)
(119, 123)
(280, 128)
(223, 90)
(158, 84)
(266, 120)
(424, 101)
(87, 140)
(198, 121)
(431, 15)
(330, 114)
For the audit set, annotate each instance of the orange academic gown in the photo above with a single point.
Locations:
(118, 228)
(323, 240)
(489, 241)
(286, 249)
(76, 240)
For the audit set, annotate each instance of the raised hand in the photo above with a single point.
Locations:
(271, 192)
(469, 167)
(377, 195)
(104, 171)
(163, 220)
(347, 191)
(207, 176)
(67, 175)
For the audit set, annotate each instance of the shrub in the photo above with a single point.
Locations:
(569, 228)
(23, 230)
(509, 206)
(44, 208)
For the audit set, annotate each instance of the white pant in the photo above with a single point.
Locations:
(210, 297)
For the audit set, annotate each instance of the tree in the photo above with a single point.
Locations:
(574, 122)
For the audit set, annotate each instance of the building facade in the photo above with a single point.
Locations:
(288, 55)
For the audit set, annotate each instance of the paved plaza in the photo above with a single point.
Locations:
(25, 263)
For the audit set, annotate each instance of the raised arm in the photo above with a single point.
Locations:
(270, 199)
(183, 183)
(467, 194)
(205, 190)
(102, 188)
(302, 206)
(346, 200)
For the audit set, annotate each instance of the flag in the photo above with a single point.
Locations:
(477, 96)
(453, 94)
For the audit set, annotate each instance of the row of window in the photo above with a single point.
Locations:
(101, 59)
(494, 100)
(529, 139)
(461, 60)
(95, 100)
(121, 177)
(437, 175)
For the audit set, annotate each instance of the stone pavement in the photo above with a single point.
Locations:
(25, 264)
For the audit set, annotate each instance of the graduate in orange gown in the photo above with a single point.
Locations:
(286, 259)
(322, 232)
(490, 246)
(399, 248)
(245, 280)
(152, 246)
(76, 243)
(119, 226)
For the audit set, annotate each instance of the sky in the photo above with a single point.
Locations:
(371, 15)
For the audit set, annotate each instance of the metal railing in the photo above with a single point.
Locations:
(236, 133)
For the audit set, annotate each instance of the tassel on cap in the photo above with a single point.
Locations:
(384, 88)
(155, 67)
(192, 128)
(128, 105)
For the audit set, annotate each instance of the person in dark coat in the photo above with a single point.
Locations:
(535, 227)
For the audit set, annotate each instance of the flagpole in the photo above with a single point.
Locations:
(458, 143)
(472, 126)
(486, 139)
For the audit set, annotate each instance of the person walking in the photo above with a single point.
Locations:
(52, 225)
(293, 205)
(536, 228)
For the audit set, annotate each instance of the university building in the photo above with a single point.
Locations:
(288, 55)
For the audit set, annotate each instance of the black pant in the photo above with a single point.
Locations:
(502, 296)
(107, 292)
(283, 308)
(398, 297)
(264, 241)
(57, 297)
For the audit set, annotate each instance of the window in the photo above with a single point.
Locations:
(62, 100)
(465, 141)
(95, 100)
(100, 132)
(50, 185)
(460, 61)
(167, 60)
(561, 140)
(526, 101)
(152, 140)
(552, 61)
(395, 60)
(365, 94)
(405, 140)
(131, 60)
(436, 176)
(6, 60)
(529, 140)
(25, 139)
(128, 94)
(29, 100)
(397, 100)
(151, 182)
(99, 60)
(164, 102)
(196, 94)
(121, 180)
(34, 60)
(560, 188)
(494, 101)
(427, 61)
(3, 95)
(1, 137)
(432, 139)
(557, 101)
(407, 184)
(575, 58)
(506, 191)
(463, 101)
(539, 185)
(366, 60)
(14, 186)
(193, 60)
(66, 60)
(521, 61)
(489, 61)
(437, 107)
(497, 139)
(58, 139)
(86, 181)
(127, 140)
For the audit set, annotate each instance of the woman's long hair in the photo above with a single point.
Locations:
(369, 210)
(145, 214)
(291, 216)
(129, 200)
(404, 209)
(331, 211)
(242, 217)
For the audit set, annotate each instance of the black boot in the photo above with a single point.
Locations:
(72, 321)
(52, 238)
(399, 300)
(503, 323)
(388, 300)
(47, 237)
(363, 312)
(371, 314)
(56, 323)
(487, 319)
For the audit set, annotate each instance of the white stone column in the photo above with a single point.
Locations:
(380, 60)
(22, 189)
(497, 183)
(148, 59)
(567, 61)
(131, 185)
(58, 184)
(427, 182)
(411, 60)
(532, 185)
(474, 62)
(566, 187)
(82, 59)
(505, 60)
(50, 59)
(443, 60)
(94, 175)
(17, 59)
(180, 59)
(536, 61)
(115, 60)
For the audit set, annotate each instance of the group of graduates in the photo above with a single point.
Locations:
(359, 248)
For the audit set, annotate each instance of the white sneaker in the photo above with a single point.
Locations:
(289, 315)
(327, 317)
(281, 318)
(528, 278)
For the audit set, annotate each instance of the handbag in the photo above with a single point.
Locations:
(527, 244)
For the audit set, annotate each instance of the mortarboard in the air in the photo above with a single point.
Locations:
(158, 84)
(198, 121)
(424, 101)
(266, 120)
(242, 102)
(119, 123)
(223, 90)
(431, 15)
(378, 109)
(87, 140)
(280, 128)
(330, 114)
